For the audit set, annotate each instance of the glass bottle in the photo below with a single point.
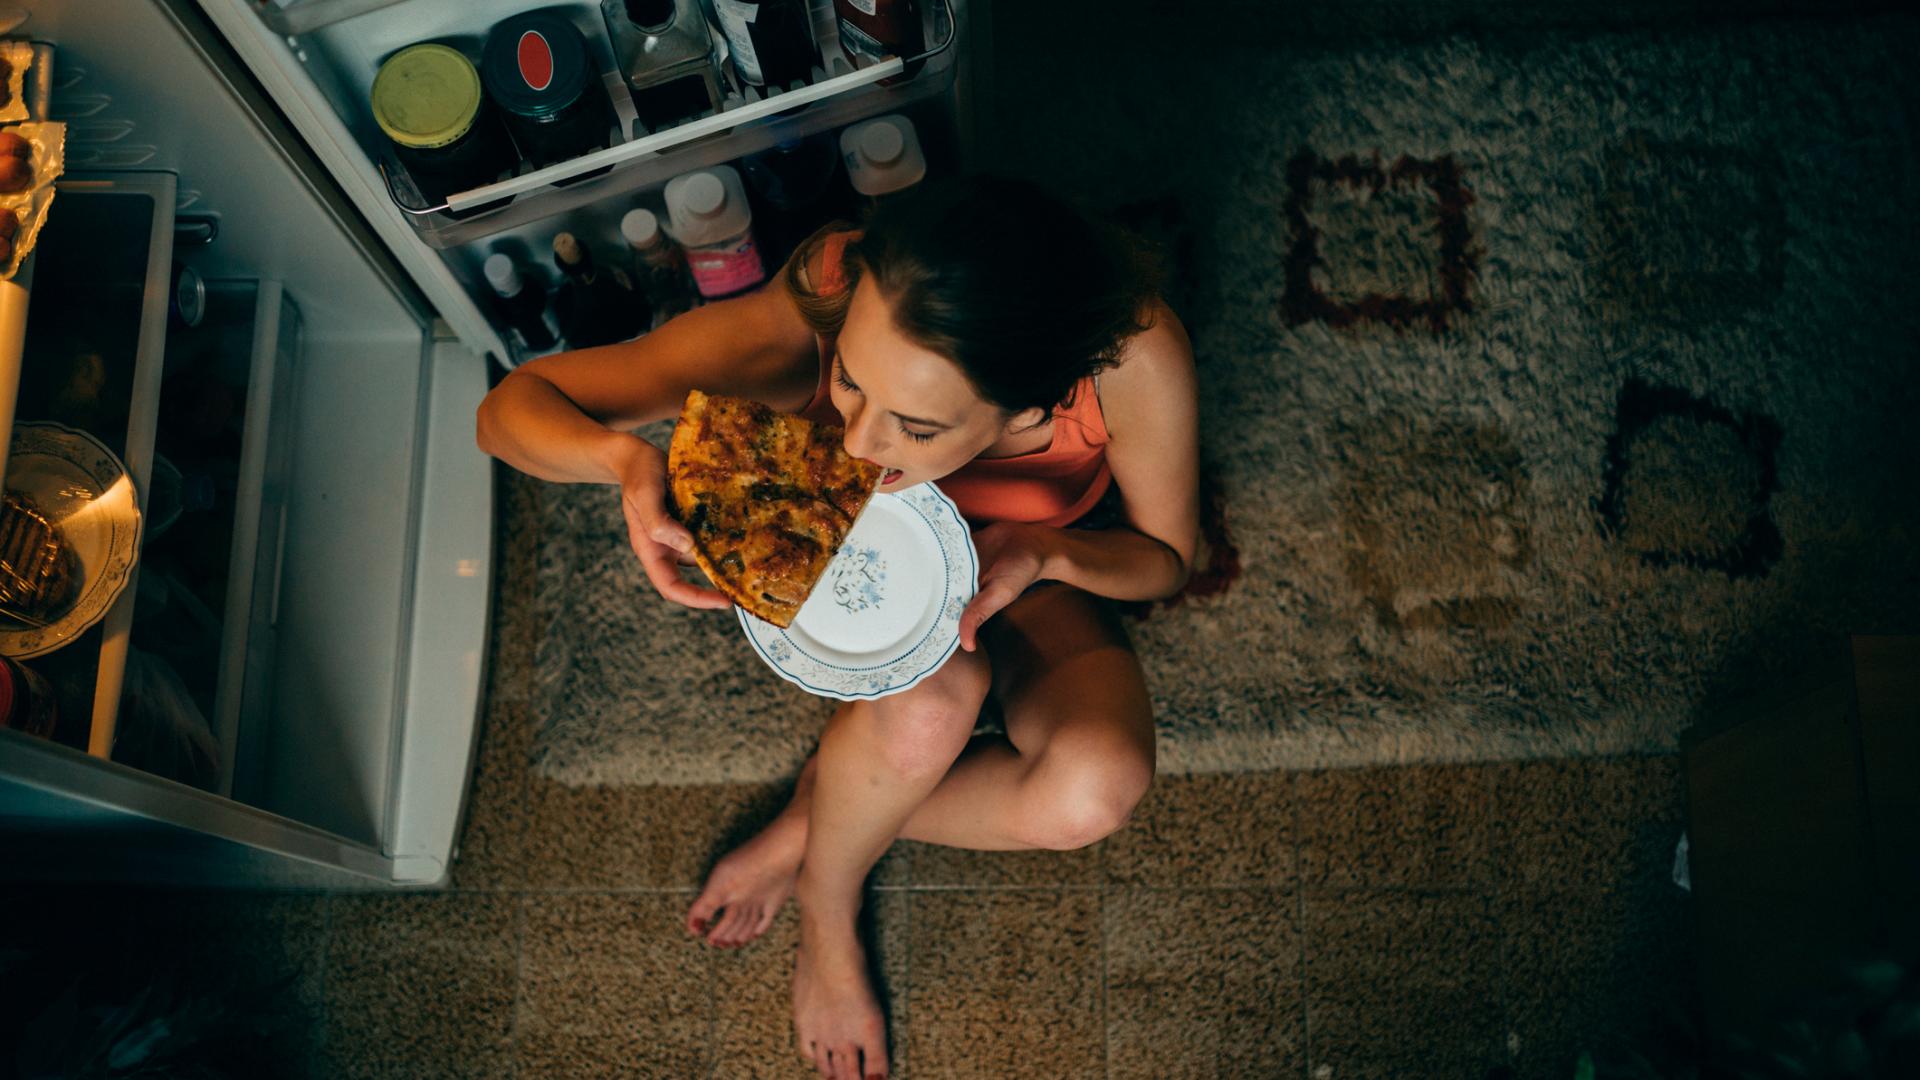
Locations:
(872, 30)
(521, 304)
(666, 54)
(659, 265)
(799, 182)
(594, 306)
(772, 40)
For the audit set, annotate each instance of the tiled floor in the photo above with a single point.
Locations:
(1393, 922)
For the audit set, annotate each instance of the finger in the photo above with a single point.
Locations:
(984, 606)
(667, 581)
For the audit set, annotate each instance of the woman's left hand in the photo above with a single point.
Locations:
(1012, 558)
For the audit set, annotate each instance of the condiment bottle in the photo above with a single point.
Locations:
(659, 266)
(707, 212)
(594, 306)
(445, 133)
(538, 70)
(667, 56)
(882, 155)
(772, 40)
(799, 186)
(872, 30)
(521, 303)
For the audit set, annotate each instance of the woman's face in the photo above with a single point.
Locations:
(907, 409)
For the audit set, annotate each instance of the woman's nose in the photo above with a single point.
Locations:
(861, 439)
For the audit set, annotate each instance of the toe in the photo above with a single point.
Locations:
(723, 934)
(700, 915)
(874, 1062)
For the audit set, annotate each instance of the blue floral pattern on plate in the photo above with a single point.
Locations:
(941, 547)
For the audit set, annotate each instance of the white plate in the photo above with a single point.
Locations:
(85, 491)
(886, 614)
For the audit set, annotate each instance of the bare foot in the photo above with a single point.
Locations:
(746, 888)
(836, 1020)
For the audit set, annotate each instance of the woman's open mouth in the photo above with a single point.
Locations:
(890, 476)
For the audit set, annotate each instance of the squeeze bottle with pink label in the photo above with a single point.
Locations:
(707, 213)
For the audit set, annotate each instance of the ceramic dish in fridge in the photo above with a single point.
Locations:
(86, 493)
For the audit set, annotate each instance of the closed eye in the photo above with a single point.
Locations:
(840, 376)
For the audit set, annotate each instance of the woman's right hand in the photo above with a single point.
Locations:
(662, 543)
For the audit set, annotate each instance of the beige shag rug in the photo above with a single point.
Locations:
(1555, 389)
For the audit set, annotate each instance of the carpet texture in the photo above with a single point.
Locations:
(1556, 388)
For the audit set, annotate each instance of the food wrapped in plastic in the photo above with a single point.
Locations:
(46, 158)
(39, 574)
(15, 57)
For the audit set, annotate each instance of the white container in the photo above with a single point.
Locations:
(882, 155)
(707, 213)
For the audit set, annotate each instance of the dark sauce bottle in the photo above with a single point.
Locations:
(772, 40)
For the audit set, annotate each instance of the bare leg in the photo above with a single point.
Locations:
(882, 759)
(973, 807)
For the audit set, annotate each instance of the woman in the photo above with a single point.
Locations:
(982, 334)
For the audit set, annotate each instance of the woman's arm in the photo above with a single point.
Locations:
(564, 417)
(1150, 401)
(1151, 404)
(561, 417)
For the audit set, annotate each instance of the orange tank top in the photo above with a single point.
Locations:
(1053, 487)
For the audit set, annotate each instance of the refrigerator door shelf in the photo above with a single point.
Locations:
(738, 110)
(642, 165)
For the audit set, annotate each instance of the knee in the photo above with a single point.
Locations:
(923, 730)
(1080, 796)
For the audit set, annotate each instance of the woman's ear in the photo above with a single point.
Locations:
(1025, 420)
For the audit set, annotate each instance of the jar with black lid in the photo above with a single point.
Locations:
(427, 100)
(538, 70)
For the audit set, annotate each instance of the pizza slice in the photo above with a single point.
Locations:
(769, 497)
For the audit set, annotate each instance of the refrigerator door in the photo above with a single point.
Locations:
(348, 641)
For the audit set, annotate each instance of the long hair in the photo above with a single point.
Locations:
(1026, 294)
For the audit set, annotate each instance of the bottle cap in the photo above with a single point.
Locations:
(881, 144)
(567, 251)
(502, 275)
(705, 194)
(882, 155)
(640, 227)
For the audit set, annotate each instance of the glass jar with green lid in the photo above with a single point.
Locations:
(427, 100)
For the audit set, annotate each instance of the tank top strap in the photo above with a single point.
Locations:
(1080, 420)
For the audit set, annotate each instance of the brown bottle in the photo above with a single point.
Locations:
(871, 30)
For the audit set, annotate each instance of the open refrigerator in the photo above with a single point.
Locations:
(237, 294)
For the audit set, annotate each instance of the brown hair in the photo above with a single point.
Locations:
(1026, 294)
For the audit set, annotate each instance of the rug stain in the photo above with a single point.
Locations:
(1688, 232)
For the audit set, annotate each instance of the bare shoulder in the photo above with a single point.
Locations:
(1155, 373)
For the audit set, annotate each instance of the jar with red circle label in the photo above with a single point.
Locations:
(538, 70)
